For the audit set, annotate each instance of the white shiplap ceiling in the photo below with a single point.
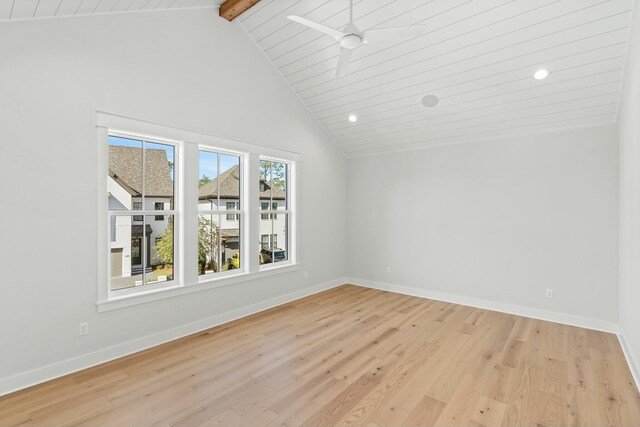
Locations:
(29, 9)
(477, 56)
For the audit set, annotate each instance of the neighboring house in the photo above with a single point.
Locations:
(125, 193)
(271, 232)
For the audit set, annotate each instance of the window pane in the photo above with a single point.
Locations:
(219, 233)
(266, 238)
(230, 245)
(208, 244)
(230, 179)
(125, 254)
(124, 183)
(273, 182)
(158, 175)
(280, 238)
(140, 253)
(208, 182)
(274, 239)
(280, 180)
(161, 253)
(265, 181)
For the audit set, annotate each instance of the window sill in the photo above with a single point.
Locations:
(177, 290)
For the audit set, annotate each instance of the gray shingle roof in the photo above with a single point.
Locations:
(230, 187)
(125, 166)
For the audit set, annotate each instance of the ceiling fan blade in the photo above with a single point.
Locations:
(343, 61)
(392, 34)
(336, 34)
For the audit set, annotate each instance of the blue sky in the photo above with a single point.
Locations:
(208, 160)
(209, 163)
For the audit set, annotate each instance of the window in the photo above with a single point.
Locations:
(137, 206)
(274, 224)
(265, 206)
(219, 242)
(140, 179)
(159, 206)
(268, 241)
(233, 206)
(183, 214)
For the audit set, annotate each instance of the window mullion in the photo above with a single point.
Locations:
(190, 215)
(143, 244)
(252, 189)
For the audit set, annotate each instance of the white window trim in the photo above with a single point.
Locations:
(187, 144)
(144, 213)
(290, 211)
(244, 202)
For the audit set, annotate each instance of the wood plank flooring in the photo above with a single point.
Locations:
(352, 356)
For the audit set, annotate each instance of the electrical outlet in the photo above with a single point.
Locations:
(306, 274)
(549, 293)
(388, 270)
(83, 329)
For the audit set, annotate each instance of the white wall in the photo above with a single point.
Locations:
(188, 69)
(496, 220)
(629, 121)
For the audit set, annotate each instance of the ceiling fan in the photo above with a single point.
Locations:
(351, 37)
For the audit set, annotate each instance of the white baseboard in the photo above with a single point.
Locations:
(551, 316)
(632, 361)
(65, 367)
(519, 310)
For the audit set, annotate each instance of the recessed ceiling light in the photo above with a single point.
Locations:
(353, 118)
(430, 101)
(541, 74)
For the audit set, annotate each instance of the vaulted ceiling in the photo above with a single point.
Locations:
(28, 9)
(478, 57)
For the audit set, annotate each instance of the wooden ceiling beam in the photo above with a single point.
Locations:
(231, 9)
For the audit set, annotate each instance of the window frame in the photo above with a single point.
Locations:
(148, 213)
(222, 213)
(287, 212)
(185, 211)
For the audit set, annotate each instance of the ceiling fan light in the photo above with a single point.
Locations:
(351, 41)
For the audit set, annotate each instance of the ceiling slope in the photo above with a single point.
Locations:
(29, 9)
(478, 57)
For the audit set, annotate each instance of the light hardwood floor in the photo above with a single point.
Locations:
(352, 356)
